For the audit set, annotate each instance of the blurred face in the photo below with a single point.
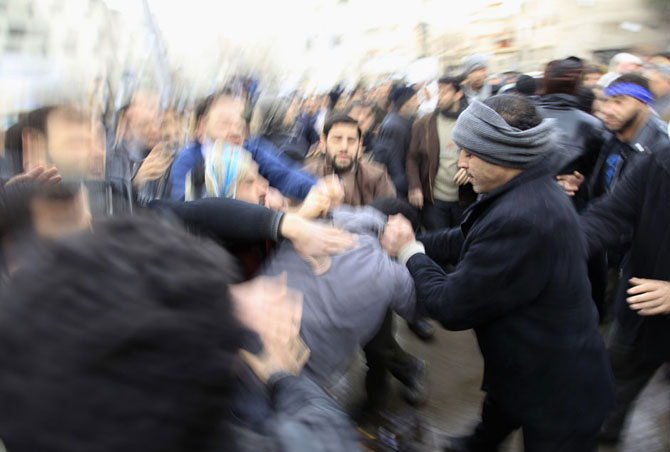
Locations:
(311, 106)
(252, 188)
(658, 84)
(342, 145)
(365, 117)
(75, 144)
(620, 112)
(659, 60)
(56, 218)
(410, 107)
(143, 119)
(476, 78)
(224, 122)
(447, 96)
(590, 80)
(484, 176)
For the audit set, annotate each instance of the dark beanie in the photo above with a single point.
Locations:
(402, 95)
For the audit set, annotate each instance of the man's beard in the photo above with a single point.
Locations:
(339, 169)
(626, 125)
(447, 110)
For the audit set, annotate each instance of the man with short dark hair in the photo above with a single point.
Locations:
(145, 331)
(363, 182)
(432, 162)
(520, 282)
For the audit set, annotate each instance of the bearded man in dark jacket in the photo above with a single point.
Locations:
(636, 207)
(520, 283)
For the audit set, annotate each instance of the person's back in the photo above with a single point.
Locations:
(344, 307)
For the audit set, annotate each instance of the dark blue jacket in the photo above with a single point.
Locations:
(289, 181)
(391, 148)
(521, 283)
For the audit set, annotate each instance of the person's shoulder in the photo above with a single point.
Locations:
(372, 169)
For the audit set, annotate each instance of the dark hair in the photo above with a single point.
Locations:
(132, 322)
(517, 110)
(585, 97)
(455, 82)
(633, 78)
(37, 119)
(393, 206)
(339, 118)
(563, 76)
(14, 145)
(526, 85)
(202, 108)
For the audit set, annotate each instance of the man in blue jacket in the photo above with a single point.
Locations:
(219, 117)
(520, 282)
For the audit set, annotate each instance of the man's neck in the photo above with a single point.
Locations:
(634, 129)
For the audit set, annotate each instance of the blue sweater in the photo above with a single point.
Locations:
(289, 181)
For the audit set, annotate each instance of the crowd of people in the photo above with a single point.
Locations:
(200, 280)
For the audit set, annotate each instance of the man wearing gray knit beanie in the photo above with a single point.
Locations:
(520, 282)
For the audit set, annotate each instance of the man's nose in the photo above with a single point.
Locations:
(462, 161)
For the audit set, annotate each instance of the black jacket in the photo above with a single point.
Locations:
(521, 283)
(391, 148)
(605, 177)
(581, 135)
(639, 202)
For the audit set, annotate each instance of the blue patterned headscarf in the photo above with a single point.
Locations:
(225, 165)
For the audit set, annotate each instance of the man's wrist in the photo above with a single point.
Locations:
(409, 250)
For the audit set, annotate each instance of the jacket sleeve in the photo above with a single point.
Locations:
(307, 419)
(613, 215)
(416, 147)
(289, 181)
(394, 156)
(404, 302)
(212, 216)
(443, 246)
(384, 187)
(503, 269)
(181, 166)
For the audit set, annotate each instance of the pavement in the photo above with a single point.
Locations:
(455, 368)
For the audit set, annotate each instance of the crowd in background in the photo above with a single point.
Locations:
(200, 279)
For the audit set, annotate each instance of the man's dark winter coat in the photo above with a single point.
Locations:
(521, 283)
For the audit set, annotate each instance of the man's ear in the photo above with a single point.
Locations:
(34, 149)
(458, 95)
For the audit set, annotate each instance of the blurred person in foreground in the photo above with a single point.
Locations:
(219, 117)
(520, 281)
(436, 186)
(395, 135)
(630, 220)
(148, 333)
